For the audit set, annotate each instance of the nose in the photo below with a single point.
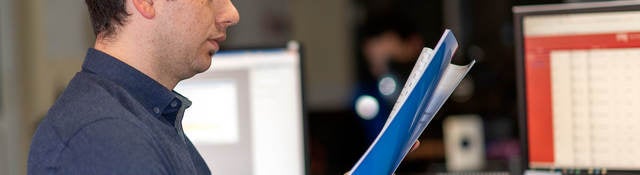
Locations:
(229, 16)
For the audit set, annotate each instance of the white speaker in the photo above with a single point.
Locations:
(464, 143)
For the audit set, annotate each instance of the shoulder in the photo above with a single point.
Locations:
(96, 123)
(87, 102)
(89, 99)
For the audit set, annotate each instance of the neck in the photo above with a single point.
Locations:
(139, 57)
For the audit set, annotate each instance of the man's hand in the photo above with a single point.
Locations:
(413, 148)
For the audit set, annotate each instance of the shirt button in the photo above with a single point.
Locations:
(156, 110)
(174, 104)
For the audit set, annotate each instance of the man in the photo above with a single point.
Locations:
(119, 114)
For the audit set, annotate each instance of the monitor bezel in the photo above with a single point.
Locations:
(519, 12)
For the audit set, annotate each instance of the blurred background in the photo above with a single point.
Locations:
(351, 50)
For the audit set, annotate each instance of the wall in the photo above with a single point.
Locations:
(324, 29)
(43, 43)
(11, 153)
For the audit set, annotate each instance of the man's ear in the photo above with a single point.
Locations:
(145, 8)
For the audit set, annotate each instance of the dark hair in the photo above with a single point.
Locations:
(106, 15)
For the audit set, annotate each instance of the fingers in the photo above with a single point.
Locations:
(415, 146)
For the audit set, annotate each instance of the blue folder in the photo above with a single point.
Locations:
(414, 109)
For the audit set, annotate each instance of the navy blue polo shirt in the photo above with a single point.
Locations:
(113, 119)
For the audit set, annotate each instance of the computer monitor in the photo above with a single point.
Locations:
(247, 117)
(579, 73)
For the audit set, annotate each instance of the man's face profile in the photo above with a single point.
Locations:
(188, 33)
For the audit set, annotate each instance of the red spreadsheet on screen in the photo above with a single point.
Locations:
(539, 51)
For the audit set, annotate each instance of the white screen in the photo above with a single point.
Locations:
(205, 123)
(246, 116)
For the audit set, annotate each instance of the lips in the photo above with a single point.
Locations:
(214, 44)
(214, 41)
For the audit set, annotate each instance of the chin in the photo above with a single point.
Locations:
(202, 65)
(191, 73)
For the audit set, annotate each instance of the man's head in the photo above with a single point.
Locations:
(390, 39)
(174, 38)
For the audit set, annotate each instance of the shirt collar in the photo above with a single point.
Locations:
(151, 94)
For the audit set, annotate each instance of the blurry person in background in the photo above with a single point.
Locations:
(119, 114)
(390, 45)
